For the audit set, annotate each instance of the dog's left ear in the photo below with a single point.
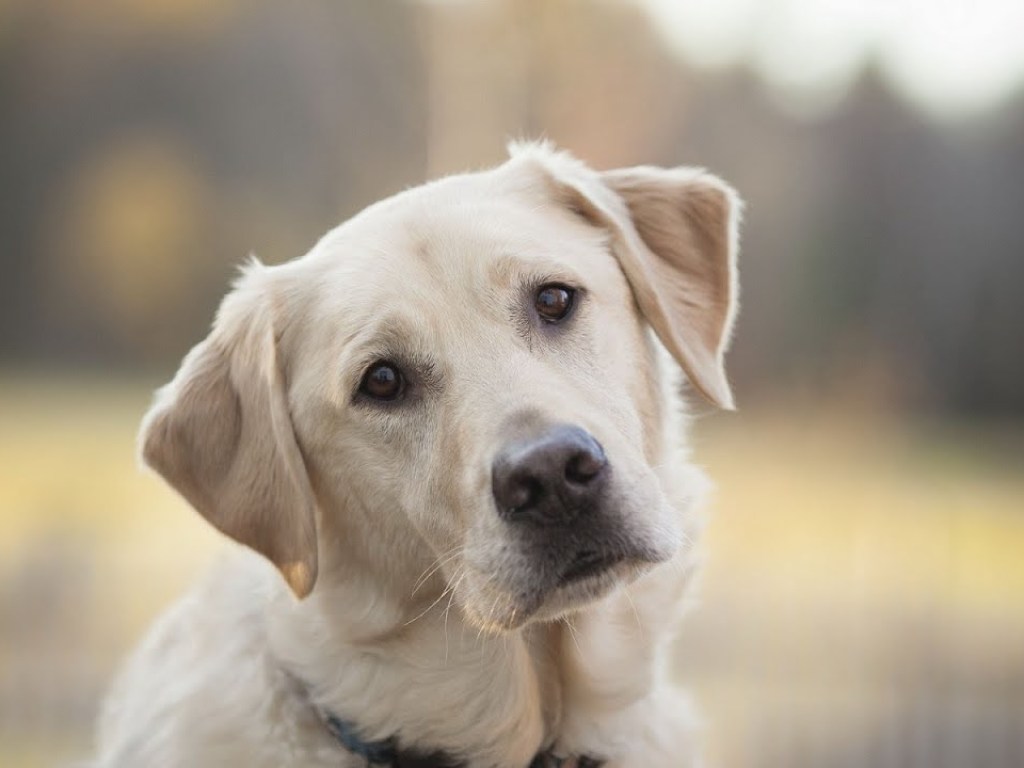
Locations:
(675, 233)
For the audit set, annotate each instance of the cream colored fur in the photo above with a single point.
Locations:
(389, 604)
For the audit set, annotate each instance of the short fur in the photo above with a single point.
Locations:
(407, 611)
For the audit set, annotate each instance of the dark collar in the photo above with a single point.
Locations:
(386, 752)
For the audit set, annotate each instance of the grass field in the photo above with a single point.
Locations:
(863, 601)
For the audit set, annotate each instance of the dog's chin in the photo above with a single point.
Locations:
(577, 589)
(574, 594)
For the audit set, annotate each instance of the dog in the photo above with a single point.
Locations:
(451, 439)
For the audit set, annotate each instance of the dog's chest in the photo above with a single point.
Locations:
(554, 648)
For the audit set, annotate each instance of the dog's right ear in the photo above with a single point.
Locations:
(221, 435)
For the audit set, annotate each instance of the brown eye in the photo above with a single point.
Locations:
(382, 381)
(554, 302)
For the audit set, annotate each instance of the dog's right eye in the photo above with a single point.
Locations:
(554, 302)
(382, 381)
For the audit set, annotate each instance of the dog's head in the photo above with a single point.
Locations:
(464, 375)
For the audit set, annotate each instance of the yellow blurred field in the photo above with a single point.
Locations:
(864, 586)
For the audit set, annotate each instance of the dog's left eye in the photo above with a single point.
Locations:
(383, 381)
(554, 302)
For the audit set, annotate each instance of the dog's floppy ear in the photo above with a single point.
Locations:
(683, 269)
(221, 435)
(675, 233)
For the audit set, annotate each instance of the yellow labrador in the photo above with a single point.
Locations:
(454, 427)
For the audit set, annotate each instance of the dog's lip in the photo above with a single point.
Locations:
(588, 563)
(590, 574)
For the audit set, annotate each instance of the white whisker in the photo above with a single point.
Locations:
(490, 617)
(422, 613)
(448, 609)
(432, 569)
(636, 613)
(572, 631)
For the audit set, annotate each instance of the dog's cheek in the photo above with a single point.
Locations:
(433, 499)
(494, 572)
(648, 518)
(630, 378)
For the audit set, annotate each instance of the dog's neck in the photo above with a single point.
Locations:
(394, 672)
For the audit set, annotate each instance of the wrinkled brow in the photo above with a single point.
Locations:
(513, 270)
(508, 270)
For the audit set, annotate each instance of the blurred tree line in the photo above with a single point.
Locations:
(147, 147)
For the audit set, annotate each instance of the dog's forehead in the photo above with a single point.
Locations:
(464, 235)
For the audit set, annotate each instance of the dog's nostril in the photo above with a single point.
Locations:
(585, 465)
(521, 494)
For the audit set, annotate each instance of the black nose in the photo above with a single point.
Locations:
(549, 479)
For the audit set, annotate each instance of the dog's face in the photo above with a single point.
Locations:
(491, 380)
(464, 373)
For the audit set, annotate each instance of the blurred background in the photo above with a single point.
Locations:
(863, 603)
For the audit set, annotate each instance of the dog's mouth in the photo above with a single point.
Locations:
(586, 564)
(550, 584)
(587, 576)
